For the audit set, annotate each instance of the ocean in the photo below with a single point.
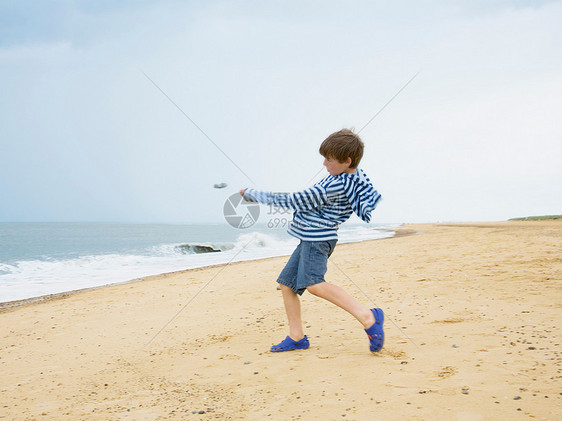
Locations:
(38, 259)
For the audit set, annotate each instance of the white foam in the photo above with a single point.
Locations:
(355, 233)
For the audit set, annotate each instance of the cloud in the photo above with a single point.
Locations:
(89, 137)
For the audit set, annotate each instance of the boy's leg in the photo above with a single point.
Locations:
(342, 299)
(292, 304)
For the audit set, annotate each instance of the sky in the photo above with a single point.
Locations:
(131, 111)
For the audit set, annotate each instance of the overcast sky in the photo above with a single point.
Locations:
(85, 136)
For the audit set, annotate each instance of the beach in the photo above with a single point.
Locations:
(473, 316)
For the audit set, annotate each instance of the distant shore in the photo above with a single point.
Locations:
(537, 218)
(473, 328)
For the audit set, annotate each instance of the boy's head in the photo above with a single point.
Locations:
(342, 146)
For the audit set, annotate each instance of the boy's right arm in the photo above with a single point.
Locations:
(304, 200)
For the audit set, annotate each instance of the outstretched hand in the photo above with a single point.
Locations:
(242, 192)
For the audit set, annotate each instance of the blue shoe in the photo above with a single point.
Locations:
(289, 344)
(375, 332)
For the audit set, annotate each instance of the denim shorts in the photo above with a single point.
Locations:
(307, 265)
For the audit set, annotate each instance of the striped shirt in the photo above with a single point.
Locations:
(320, 210)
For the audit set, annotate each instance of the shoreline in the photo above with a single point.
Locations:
(400, 231)
(472, 331)
(8, 305)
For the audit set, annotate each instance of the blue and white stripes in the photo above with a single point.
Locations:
(361, 193)
(320, 210)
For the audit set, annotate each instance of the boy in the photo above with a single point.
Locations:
(318, 212)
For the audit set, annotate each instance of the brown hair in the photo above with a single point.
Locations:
(342, 145)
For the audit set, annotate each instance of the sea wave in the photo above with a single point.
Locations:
(32, 278)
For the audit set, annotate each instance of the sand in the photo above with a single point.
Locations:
(472, 332)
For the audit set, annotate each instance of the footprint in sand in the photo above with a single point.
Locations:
(389, 352)
(447, 371)
(450, 320)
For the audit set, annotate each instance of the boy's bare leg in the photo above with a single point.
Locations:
(342, 299)
(292, 304)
